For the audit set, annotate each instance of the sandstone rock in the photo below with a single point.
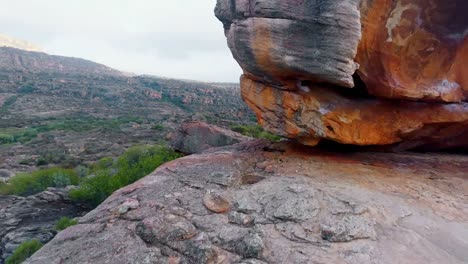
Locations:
(326, 113)
(318, 205)
(307, 52)
(281, 42)
(32, 217)
(195, 137)
(414, 49)
(216, 202)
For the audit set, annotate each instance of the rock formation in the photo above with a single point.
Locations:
(32, 217)
(195, 137)
(260, 202)
(363, 72)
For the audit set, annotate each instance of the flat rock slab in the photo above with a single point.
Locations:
(288, 204)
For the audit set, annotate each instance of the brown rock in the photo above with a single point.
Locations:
(414, 49)
(216, 202)
(299, 56)
(195, 137)
(325, 113)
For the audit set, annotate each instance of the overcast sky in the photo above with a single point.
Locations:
(172, 38)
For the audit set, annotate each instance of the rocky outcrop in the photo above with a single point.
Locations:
(195, 137)
(261, 202)
(32, 217)
(7, 41)
(351, 71)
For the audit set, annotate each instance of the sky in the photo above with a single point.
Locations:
(170, 38)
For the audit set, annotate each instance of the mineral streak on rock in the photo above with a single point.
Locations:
(281, 42)
(415, 49)
(404, 59)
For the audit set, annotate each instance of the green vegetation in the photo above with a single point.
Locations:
(64, 222)
(255, 131)
(31, 183)
(24, 251)
(104, 177)
(82, 124)
(158, 127)
(8, 102)
(108, 177)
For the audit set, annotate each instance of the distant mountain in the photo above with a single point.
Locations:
(18, 59)
(67, 111)
(7, 41)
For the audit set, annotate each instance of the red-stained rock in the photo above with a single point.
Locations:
(415, 49)
(405, 61)
(325, 113)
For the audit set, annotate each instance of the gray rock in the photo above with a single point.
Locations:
(313, 207)
(32, 217)
(321, 43)
(195, 137)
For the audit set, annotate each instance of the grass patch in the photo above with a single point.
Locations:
(25, 184)
(64, 222)
(131, 166)
(24, 251)
(82, 124)
(255, 131)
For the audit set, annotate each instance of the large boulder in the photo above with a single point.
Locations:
(261, 202)
(195, 137)
(382, 60)
(33, 217)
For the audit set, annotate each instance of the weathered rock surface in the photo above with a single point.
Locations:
(326, 113)
(415, 49)
(288, 204)
(195, 137)
(32, 217)
(403, 51)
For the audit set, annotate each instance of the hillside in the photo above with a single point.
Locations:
(64, 111)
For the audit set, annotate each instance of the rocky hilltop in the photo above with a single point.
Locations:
(7, 41)
(364, 72)
(260, 202)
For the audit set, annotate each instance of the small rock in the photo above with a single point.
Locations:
(216, 202)
(165, 228)
(128, 204)
(251, 246)
(347, 228)
(240, 219)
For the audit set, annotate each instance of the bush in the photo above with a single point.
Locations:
(64, 222)
(158, 127)
(31, 183)
(6, 139)
(131, 166)
(24, 251)
(255, 131)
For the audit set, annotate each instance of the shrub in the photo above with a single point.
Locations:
(158, 127)
(64, 222)
(131, 166)
(31, 183)
(255, 131)
(24, 251)
(6, 139)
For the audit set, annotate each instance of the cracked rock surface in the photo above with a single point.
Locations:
(309, 206)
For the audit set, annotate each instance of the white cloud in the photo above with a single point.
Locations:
(177, 38)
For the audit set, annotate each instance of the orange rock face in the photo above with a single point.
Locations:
(415, 49)
(325, 113)
(404, 60)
